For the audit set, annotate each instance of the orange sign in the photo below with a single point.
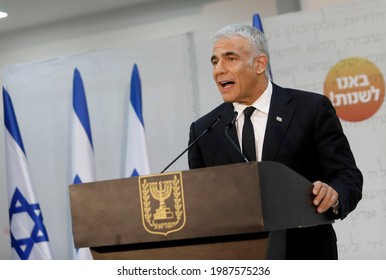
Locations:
(356, 88)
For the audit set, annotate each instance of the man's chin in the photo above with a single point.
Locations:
(228, 98)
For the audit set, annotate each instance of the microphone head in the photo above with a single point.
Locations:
(215, 122)
(233, 119)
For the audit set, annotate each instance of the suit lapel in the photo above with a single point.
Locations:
(279, 118)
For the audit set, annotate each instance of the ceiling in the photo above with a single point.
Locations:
(29, 13)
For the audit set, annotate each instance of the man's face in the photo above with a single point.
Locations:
(234, 73)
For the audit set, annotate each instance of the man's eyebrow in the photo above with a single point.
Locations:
(225, 54)
(229, 53)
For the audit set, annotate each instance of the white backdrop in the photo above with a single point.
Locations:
(177, 88)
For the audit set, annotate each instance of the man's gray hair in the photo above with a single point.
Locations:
(254, 36)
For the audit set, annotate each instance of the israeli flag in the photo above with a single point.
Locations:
(29, 238)
(83, 162)
(256, 22)
(137, 162)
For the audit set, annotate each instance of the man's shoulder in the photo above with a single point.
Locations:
(299, 93)
(300, 97)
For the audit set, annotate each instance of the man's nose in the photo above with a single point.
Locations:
(219, 68)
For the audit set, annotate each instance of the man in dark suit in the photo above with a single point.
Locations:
(299, 129)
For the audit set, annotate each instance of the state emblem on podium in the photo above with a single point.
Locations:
(162, 203)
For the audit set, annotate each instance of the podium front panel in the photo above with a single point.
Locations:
(200, 203)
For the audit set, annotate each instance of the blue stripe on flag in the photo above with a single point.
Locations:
(134, 173)
(257, 22)
(80, 104)
(77, 180)
(136, 92)
(10, 120)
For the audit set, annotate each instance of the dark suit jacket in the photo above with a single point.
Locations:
(309, 139)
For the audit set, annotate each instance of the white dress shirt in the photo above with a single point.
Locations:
(259, 118)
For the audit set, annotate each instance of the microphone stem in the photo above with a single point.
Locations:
(233, 143)
(184, 151)
(175, 159)
(194, 142)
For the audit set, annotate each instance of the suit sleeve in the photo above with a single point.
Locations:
(337, 160)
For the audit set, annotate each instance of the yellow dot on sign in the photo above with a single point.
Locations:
(356, 88)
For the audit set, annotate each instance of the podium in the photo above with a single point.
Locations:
(221, 212)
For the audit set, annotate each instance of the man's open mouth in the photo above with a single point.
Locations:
(226, 84)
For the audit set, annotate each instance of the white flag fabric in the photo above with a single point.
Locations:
(137, 161)
(29, 238)
(83, 162)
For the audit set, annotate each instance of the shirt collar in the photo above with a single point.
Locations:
(261, 104)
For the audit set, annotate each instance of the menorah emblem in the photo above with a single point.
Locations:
(162, 202)
(161, 192)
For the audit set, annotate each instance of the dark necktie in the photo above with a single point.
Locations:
(249, 148)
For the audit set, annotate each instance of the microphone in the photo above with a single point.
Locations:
(210, 127)
(230, 124)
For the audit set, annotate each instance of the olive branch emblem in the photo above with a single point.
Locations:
(162, 218)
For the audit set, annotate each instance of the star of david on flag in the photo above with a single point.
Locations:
(137, 162)
(29, 238)
(83, 162)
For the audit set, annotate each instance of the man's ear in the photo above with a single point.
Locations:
(261, 63)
